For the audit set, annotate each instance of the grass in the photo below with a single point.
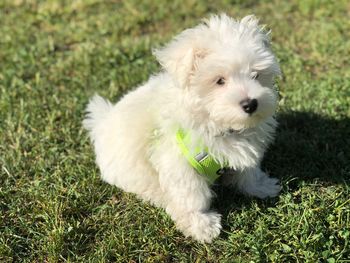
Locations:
(53, 206)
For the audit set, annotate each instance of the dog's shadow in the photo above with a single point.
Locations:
(307, 148)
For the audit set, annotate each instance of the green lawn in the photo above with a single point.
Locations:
(54, 55)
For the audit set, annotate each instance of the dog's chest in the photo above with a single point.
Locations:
(240, 150)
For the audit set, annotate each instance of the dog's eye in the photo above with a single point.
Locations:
(220, 81)
(255, 75)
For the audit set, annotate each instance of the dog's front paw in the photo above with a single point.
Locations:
(269, 187)
(263, 186)
(203, 227)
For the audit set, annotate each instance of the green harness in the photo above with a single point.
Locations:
(200, 159)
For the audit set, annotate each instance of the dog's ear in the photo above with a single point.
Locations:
(250, 26)
(251, 22)
(179, 57)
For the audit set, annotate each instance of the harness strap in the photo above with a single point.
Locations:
(201, 160)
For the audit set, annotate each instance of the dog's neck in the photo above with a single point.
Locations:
(230, 131)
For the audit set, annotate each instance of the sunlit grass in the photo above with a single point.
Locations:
(53, 207)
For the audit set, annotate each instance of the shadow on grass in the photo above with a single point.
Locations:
(307, 148)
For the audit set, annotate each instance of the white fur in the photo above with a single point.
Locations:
(135, 141)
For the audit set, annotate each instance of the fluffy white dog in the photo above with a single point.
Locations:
(214, 101)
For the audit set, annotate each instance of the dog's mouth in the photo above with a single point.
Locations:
(249, 126)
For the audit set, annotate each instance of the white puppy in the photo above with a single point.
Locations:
(214, 101)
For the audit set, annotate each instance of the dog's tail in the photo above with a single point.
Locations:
(96, 111)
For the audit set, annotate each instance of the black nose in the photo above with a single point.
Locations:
(249, 105)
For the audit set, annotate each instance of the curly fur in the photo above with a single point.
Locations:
(135, 142)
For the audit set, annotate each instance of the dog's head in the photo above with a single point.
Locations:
(228, 69)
